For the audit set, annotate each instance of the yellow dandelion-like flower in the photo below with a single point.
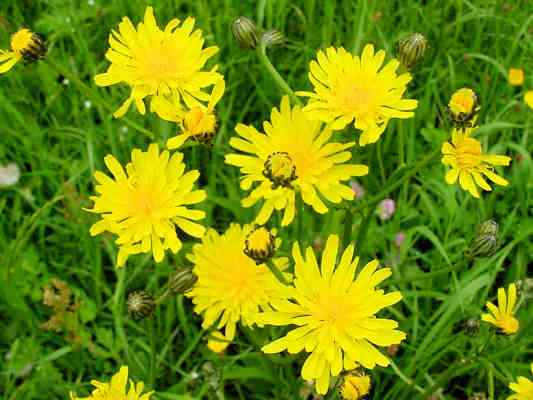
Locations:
(231, 287)
(528, 98)
(523, 388)
(200, 122)
(116, 389)
(26, 45)
(334, 312)
(217, 342)
(164, 65)
(516, 76)
(502, 317)
(144, 204)
(355, 387)
(349, 88)
(292, 156)
(469, 164)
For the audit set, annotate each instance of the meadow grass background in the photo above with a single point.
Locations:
(59, 139)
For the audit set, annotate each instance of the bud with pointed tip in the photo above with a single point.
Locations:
(411, 49)
(485, 243)
(245, 33)
(182, 280)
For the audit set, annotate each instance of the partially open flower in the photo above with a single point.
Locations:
(502, 317)
(260, 244)
(516, 76)
(463, 108)
(26, 45)
(355, 386)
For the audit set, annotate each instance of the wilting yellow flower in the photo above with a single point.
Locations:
(469, 164)
(231, 287)
(217, 342)
(351, 88)
(355, 387)
(144, 205)
(200, 122)
(24, 45)
(503, 316)
(516, 76)
(293, 156)
(523, 388)
(528, 98)
(116, 389)
(463, 108)
(334, 314)
(164, 65)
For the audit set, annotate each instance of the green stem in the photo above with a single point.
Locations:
(117, 310)
(277, 273)
(404, 378)
(429, 275)
(93, 95)
(153, 367)
(283, 85)
(348, 228)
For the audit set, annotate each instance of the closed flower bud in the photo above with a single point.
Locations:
(486, 242)
(182, 280)
(272, 38)
(463, 108)
(141, 304)
(245, 33)
(411, 49)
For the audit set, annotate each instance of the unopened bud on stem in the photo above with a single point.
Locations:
(486, 242)
(411, 49)
(245, 33)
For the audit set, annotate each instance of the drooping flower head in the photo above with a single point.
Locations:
(502, 317)
(231, 287)
(26, 45)
(349, 88)
(468, 163)
(200, 122)
(463, 108)
(144, 204)
(523, 388)
(293, 156)
(516, 76)
(335, 314)
(355, 387)
(116, 389)
(164, 65)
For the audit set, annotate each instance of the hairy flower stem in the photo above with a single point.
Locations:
(93, 95)
(153, 366)
(267, 64)
(276, 272)
(117, 310)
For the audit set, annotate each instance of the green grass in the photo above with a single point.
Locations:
(58, 143)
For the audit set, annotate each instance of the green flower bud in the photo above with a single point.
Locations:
(272, 38)
(411, 49)
(486, 242)
(245, 33)
(140, 304)
(182, 280)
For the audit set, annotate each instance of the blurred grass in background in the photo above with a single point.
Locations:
(59, 135)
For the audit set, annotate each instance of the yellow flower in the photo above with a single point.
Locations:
(528, 98)
(523, 388)
(231, 287)
(351, 88)
(463, 108)
(261, 244)
(293, 156)
(164, 65)
(469, 164)
(355, 387)
(334, 314)
(516, 76)
(502, 316)
(116, 389)
(217, 342)
(199, 122)
(24, 45)
(144, 205)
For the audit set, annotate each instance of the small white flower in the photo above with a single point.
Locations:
(87, 104)
(9, 174)
(65, 82)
